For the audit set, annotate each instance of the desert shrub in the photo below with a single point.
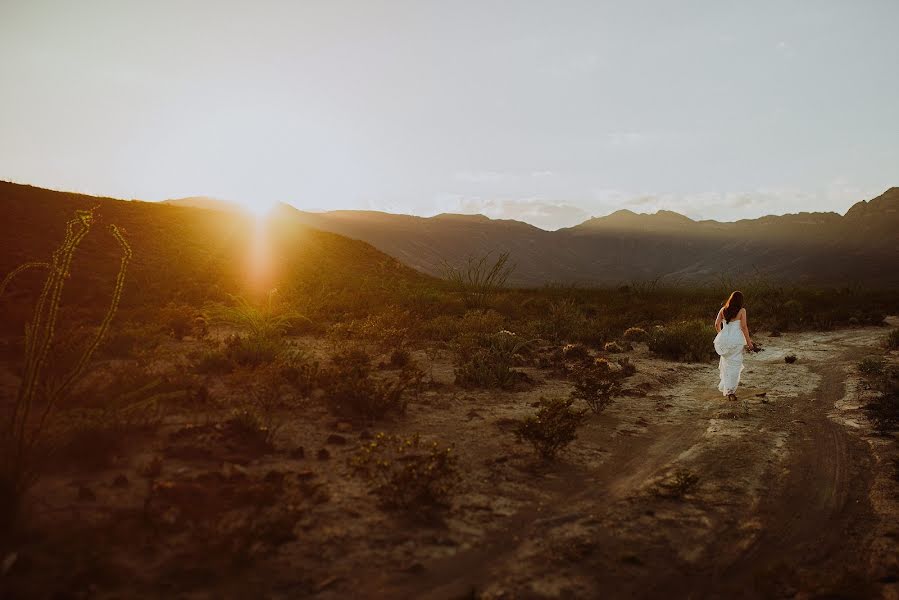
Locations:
(267, 320)
(441, 328)
(302, 373)
(689, 341)
(214, 362)
(883, 410)
(127, 340)
(575, 352)
(681, 483)
(352, 392)
(388, 329)
(596, 386)
(406, 473)
(552, 428)
(489, 361)
(477, 281)
(635, 334)
(178, 320)
(480, 322)
(627, 368)
(613, 347)
(352, 358)
(871, 366)
(253, 351)
(562, 321)
(893, 339)
(790, 359)
(399, 358)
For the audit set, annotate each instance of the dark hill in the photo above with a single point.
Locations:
(186, 254)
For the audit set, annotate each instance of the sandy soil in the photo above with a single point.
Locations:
(795, 497)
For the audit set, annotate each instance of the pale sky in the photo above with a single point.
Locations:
(549, 112)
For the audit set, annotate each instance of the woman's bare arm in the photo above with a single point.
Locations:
(744, 325)
(718, 320)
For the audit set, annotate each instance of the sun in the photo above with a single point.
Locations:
(258, 208)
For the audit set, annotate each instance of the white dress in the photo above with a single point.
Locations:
(729, 345)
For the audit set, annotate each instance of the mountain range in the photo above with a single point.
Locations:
(821, 248)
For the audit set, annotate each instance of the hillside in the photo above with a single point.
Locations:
(186, 254)
(815, 248)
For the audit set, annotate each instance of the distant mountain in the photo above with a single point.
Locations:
(818, 248)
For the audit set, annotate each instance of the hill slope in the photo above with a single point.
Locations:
(817, 248)
(185, 254)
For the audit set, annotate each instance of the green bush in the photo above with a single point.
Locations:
(689, 341)
(406, 473)
(552, 428)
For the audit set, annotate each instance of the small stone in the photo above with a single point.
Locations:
(336, 440)
(344, 426)
(298, 452)
(120, 481)
(323, 454)
(86, 494)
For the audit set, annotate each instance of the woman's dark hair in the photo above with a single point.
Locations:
(732, 306)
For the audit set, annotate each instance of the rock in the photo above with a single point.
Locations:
(8, 562)
(344, 426)
(86, 494)
(336, 440)
(232, 471)
(323, 454)
(275, 477)
(298, 452)
(120, 481)
(306, 475)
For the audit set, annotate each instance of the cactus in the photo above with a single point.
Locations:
(21, 433)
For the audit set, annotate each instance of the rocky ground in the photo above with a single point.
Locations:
(671, 492)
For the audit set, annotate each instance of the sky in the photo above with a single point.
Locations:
(548, 112)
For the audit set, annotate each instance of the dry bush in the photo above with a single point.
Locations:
(488, 361)
(689, 341)
(883, 410)
(635, 334)
(596, 386)
(477, 281)
(892, 341)
(871, 366)
(563, 321)
(575, 352)
(351, 391)
(552, 428)
(406, 473)
(612, 347)
(681, 483)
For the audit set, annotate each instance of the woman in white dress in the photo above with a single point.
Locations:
(733, 335)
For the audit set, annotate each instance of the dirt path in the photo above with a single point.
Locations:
(782, 507)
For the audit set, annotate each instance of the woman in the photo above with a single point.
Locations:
(733, 334)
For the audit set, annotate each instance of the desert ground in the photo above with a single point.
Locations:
(672, 491)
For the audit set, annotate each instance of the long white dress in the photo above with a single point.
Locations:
(729, 345)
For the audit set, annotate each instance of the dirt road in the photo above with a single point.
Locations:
(792, 497)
